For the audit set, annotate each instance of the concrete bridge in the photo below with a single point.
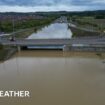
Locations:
(66, 44)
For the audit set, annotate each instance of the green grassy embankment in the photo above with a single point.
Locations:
(22, 30)
(6, 52)
(87, 26)
(77, 32)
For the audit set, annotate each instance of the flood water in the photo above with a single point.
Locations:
(54, 78)
(53, 31)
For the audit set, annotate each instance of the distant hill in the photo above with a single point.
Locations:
(97, 12)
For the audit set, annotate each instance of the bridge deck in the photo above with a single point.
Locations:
(28, 42)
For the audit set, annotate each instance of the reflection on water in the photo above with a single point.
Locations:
(56, 30)
(54, 78)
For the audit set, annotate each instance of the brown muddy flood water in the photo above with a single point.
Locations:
(54, 78)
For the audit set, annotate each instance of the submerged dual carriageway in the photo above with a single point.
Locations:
(67, 44)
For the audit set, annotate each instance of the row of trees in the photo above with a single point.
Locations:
(6, 26)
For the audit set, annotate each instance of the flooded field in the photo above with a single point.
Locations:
(53, 31)
(54, 78)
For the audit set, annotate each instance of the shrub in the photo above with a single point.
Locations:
(1, 46)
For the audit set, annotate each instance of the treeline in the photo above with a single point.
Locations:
(98, 13)
(58, 13)
(100, 17)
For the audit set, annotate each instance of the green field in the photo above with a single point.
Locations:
(89, 23)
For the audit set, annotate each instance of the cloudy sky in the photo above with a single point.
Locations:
(50, 5)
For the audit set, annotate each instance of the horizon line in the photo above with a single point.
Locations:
(53, 11)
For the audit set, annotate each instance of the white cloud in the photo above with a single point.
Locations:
(50, 5)
(41, 8)
(99, 1)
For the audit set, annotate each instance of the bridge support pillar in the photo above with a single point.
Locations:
(18, 48)
(66, 48)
